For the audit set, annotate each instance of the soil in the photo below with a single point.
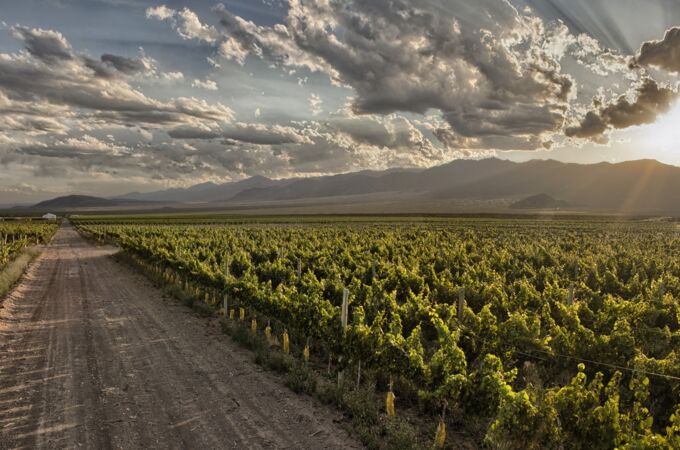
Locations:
(93, 356)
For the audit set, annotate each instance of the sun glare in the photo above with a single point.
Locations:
(663, 135)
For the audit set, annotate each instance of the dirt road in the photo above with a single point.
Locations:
(92, 356)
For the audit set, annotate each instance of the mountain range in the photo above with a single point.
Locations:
(85, 201)
(633, 187)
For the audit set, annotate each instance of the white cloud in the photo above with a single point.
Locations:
(161, 12)
(231, 49)
(185, 22)
(315, 104)
(173, 76)
(208, 85)
(190, 27)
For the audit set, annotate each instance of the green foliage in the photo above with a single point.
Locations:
(15, 236)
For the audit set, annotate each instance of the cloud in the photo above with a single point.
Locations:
(231, 49)
(208, 85)
(83, 147)
(264, 134)
(161, 12)
(315, 104)
(344, 142)
(185, 22)
(650, 100)
(58, 107)
(260, 134)
(664, 54)
(190, 27)
(478, 60)
(48, 46)
(19, 188)
(32, 118)
(194, 132)
(110, 66)
(172, 76)
(493, 73)
(128, 66)
(52, 74)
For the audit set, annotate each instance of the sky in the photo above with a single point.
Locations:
(105, 97)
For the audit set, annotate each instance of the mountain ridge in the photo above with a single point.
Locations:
(84, 201)
(631, 187)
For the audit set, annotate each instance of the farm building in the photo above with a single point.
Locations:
(49, 216)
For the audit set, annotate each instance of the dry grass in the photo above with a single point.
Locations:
(11, 273)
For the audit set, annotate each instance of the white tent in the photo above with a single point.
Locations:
(49, 216)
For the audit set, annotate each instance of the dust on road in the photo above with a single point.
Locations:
(93, 356)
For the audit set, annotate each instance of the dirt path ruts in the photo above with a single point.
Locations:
(92, 356)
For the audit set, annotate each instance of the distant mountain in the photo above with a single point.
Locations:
(82, 201)
(205, 192)
(540, 201)
(644, 186)
(634, 187)
(426, 182)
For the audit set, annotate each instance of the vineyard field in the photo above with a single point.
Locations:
(548, 333)
(15, 236)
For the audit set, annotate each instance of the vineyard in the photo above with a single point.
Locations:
(550, 334)
(15, 236)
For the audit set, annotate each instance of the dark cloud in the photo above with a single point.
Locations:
(46, 45)
(110, 65)
(189, 132)
(664, 54)
(592, 126)
(128, 66)
(651, 100)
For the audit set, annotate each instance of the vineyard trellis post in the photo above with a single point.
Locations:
(345, 310)
(343, 323)
(570, 300)
(461, 300)
(359, 373)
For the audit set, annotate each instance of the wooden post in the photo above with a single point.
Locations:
(343, 323)
(226, 304)
(345, 309)
(299, 269)
(570, 300)
(359, 374)
(461, 300)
